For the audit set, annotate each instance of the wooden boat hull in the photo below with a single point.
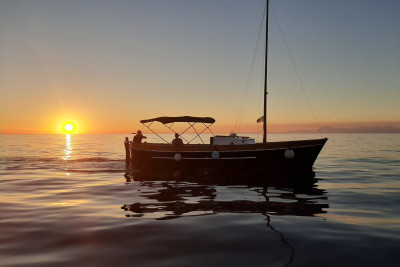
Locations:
(280, 156)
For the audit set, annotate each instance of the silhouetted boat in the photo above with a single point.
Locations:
(232, 152)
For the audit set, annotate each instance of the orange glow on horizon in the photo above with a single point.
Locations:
(94, 125)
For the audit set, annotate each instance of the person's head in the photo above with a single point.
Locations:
(139, 132)
(176, 135)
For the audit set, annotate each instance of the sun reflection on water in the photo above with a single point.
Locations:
(68, 147)
(70, 203)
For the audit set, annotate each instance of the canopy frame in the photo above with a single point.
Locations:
(192, 121)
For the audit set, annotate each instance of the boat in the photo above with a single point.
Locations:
(230, 152)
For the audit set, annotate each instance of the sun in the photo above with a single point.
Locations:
(69, 127)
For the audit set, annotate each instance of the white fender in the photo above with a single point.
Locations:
(177, 157)
(215, 155)
(289, 153)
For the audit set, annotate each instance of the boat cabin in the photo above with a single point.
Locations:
(231, 139)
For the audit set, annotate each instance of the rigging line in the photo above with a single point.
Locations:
(295, 68)
(248, 82)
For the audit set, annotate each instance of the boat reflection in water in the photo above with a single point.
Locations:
(173, 195)
(165, 196)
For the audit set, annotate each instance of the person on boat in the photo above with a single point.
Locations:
(177, 140)
(137, 139)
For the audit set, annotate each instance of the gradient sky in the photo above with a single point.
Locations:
(105, 65)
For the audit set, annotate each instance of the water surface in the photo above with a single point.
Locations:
(70, 200)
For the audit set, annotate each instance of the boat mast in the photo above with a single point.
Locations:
(265, 75)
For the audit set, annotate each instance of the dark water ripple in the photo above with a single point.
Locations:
(73, 202)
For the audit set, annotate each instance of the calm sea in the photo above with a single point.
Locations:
(70, 201)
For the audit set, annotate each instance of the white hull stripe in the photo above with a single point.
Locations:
(223, 151)
(233, 158)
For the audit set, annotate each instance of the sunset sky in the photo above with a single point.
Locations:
(104, 65)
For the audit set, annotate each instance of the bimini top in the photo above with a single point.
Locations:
(166, 120)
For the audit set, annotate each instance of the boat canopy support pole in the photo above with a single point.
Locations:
(170, 127)
(148, 127)
(198, 134)
(191, 125)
